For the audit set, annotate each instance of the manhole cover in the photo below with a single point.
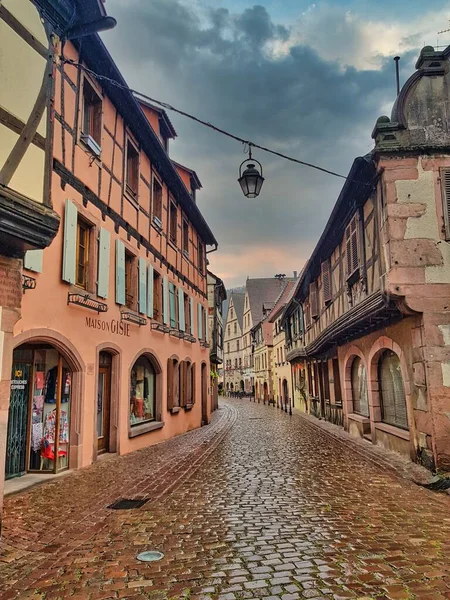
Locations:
(150, 556)
(128, 503)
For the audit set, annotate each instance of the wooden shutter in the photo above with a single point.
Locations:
(445, 179)
(193, 383)
(70, 242)
(170, 373)
(200, 321)
(142, 286)
(313, 300)
(33, 260)
(181, 315)
(326, 281)
(150, 291)
(183, 382)
(192, 307)
(165, 300)
(104, 245)
(120, 272)
(206, 324)
(351, 246)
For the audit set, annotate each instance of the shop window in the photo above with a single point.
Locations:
(132, 174)
(82, 253)
(185, 237)
(173, 223)
(392, 390)
(142, 392)
(157, 296)
(39, 412)
(157, 203)
(91, 133)
(360, 392)
(130, 280)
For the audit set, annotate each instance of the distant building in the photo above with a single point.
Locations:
(216, 296)
(233, 351)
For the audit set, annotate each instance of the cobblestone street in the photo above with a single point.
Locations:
(257, 505)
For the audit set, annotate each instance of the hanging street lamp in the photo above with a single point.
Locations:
(251, 179)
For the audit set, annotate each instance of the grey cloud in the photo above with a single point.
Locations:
(216, 65)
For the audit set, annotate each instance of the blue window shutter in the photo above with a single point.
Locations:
(104, 246)
(199, 323)
(192, 306)
(165, 300)
(70, 242)
(33, 260)
(120, 272)
(173, 314)
(142, 286)
(150, 291)
(181, 315)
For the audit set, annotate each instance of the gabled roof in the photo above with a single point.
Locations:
(263, 291)
(192, 173)
(169, 129)
(284, 297)
(238, 303)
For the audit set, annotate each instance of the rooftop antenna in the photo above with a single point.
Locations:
(397, 73)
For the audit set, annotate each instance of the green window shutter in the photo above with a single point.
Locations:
(200, 321)
(173, 314)
(70, 242)
(192, 306)
(33, 260)
(181, 315)
(142, 286)
(150, 291)
(104, 245)
(120, 272)
(165, 300)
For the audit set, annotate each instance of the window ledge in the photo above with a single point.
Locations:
(132, 199)
(173, 244)
(175, 410)
(401, 433)
(360, 418)
(188, 407)
(136, 430)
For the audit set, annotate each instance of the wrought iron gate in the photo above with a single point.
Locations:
(16, 445)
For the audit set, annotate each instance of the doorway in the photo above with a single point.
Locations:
(104, 403)
(204, 384)
(285, 391)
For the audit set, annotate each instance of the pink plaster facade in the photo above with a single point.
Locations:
(95, 185)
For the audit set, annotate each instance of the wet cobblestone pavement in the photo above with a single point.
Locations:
(258, 505)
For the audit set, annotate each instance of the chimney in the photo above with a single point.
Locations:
(295, 274)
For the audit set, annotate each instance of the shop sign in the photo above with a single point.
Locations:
(112, 326)
(18, 383)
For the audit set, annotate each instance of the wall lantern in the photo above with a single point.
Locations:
(251, 179)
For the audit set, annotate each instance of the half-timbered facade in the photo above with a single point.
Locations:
(367, 329)
(114, 338)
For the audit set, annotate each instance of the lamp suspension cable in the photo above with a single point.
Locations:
(165, 105)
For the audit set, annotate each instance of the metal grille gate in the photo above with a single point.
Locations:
(16, 446)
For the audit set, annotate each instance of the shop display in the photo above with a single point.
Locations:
(142, 392)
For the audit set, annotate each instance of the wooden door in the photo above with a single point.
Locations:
(103, 408)
(204, 394)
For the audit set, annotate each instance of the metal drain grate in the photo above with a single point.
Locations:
(128, 503)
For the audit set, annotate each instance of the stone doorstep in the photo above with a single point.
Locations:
(392, 461)
(30, 480)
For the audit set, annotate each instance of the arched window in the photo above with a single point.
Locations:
(392, 390)
(142, 392)
(360, 393)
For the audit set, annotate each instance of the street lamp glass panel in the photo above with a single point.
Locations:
(251, 182)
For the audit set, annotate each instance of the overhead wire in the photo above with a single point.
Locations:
(165, 105)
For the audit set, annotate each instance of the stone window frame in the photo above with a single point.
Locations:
(158, 423)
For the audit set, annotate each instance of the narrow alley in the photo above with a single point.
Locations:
(257, 505)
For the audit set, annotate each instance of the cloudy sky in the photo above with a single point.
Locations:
(306, 79)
